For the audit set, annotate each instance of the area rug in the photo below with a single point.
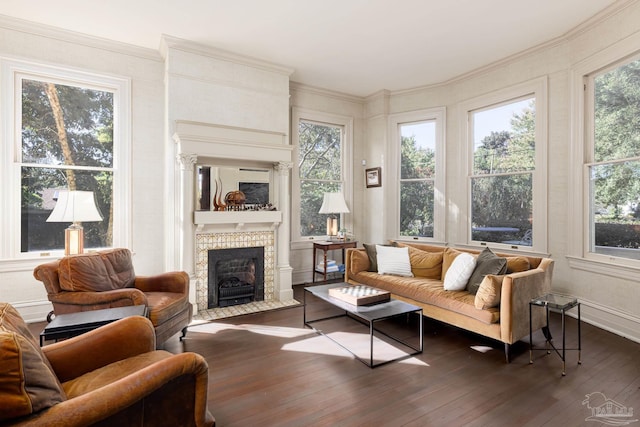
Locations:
(242, 309)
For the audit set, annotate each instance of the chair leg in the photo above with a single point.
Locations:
(507, 352)
(184, 333)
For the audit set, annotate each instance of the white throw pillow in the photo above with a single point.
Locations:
(393, 260)
(459, 273)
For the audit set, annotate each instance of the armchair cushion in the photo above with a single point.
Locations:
(27, 381)
(97, 271)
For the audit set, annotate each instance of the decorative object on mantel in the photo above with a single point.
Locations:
(373, 177)
(218, 204)
(333, 203)
(235, 199)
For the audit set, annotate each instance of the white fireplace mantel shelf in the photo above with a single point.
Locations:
(237, 218)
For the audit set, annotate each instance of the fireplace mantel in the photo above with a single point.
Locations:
(237, 218)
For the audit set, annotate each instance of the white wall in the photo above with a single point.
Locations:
(144, 68)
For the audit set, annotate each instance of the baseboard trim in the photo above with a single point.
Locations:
(611, 320)
(33, 311)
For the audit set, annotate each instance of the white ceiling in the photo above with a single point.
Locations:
(353, 46)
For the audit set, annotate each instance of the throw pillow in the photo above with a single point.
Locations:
(28, 384)
(459, 272)
(425, 264)
(393, 261)
(489, 292)
(486, 263)
(448, 256)
(516, 264)
(372, 254)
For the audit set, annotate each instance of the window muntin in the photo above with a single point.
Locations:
(504, 161)
(320, 170)
(614, 162)
(417, 178)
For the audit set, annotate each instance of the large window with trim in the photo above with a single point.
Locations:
(320, 142)
(613, 160)
(417, 157)
(506, 168)
(66, 133)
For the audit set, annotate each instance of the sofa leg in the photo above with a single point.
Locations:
(507, 352)
(184, 333)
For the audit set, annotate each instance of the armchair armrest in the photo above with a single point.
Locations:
(112, 400)
(173, 281)
(110, 343)
(105, 299)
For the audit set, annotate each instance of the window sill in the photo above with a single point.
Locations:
(605, 268)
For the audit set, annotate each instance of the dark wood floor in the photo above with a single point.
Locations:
(267, 369)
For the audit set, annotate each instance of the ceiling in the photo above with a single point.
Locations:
(352, 46)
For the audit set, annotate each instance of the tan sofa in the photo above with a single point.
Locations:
(111, 376)
(499, 310)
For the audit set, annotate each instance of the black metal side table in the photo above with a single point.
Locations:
(561, 304)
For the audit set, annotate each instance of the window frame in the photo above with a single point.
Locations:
(12, 71)
(582, 157)
(319, 117)
(392, 179)
(537, 89)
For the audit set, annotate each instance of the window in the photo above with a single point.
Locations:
(68, 132)
(613, 161)
(418, 164)
(506, 184)
(321, 147)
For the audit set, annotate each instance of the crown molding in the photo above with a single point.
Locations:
(56, 33)
(170, 42)
(301, 87)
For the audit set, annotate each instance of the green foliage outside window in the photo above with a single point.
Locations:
(320, 168)
(66, 144)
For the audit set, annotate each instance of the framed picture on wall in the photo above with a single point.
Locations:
(373, 177)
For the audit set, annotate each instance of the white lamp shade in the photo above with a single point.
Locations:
(333, 203)
(75, 206)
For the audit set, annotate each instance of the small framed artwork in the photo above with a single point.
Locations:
(373, 177)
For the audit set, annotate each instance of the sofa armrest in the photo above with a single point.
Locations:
(173, 281)
(105, 299)
(108, 402)
(107, 344)
(518, 289)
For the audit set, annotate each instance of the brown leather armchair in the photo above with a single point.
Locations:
(110, 376)
(106, 279)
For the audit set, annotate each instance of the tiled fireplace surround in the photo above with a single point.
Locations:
(199, 143)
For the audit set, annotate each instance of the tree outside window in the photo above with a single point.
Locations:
(320, 171)
(502, 173)
(417, 178)
(614, 167)
(67, 143)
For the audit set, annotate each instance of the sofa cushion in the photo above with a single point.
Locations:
(488, 294)
(425, 264)
(516, 264)
(393, 261)
(97, 271)
(27, 381)
(486, 263)
(459, 272)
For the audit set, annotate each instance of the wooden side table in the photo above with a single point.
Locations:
(329, 246)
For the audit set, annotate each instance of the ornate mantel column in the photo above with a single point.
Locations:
(284, 272)
(185, 220)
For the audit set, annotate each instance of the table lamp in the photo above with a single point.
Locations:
(333, 203)
(74, 207)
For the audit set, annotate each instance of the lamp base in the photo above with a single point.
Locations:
(332, 226)
(74, 240)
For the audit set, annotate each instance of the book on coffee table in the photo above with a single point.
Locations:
(360, 294)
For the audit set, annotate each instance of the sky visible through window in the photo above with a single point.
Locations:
(495, 119)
